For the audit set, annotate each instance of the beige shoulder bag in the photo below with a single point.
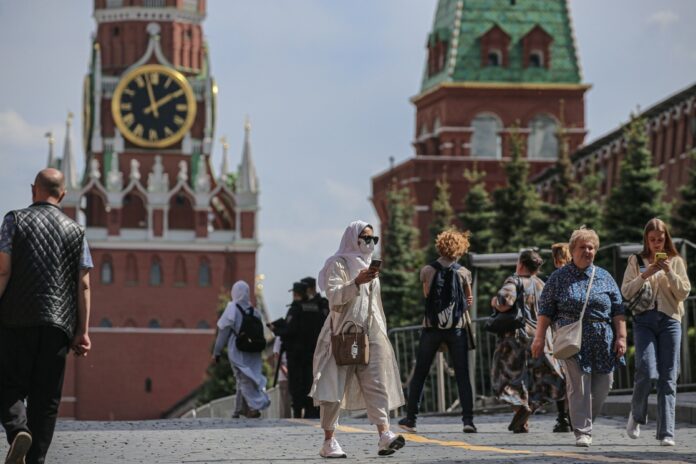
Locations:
(567, 340)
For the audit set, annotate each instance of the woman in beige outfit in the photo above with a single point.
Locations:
(354, 295)
(657, 331)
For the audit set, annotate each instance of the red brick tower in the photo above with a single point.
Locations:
(166, 234)
(492, 65)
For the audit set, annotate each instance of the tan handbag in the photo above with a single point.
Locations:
(350, 348)
(567, 340)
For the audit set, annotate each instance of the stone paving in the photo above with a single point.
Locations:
(283, 441)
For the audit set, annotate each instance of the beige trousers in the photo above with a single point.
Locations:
(374, 392)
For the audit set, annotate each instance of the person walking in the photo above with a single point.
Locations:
(517, 378)
(657, 331)
(561, 256)
(589, 373)
(450, 284)
(44, 313)
(246, 365)
(353, 290)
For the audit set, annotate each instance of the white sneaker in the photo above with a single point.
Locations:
(632, 427)
(389, 443)
(667, 441)
(583, 441)
(331, 449)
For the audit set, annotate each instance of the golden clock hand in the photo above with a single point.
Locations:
(164, 100)
(151, 94)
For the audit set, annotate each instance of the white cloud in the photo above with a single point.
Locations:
(15, 131)
(663, 18)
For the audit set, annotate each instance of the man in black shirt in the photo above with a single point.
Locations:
(44, 312)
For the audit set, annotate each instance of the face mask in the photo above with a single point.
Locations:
(366, 248)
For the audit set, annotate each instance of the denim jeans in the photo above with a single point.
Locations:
(457, 344)
(657, 338)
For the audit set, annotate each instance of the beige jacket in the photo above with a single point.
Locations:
(670, 288)
(363, 306)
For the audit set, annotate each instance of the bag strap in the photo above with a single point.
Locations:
(587, 295)
(639, 260)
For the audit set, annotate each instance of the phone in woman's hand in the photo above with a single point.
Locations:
(375, 264)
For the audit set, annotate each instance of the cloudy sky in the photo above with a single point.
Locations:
(327, 85)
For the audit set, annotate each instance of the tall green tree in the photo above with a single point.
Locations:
(565, 190)
(478, 212)
(519, 220)
(401, 294)
(443, 216)
(585, 207)
(685, 219)
(638, 196)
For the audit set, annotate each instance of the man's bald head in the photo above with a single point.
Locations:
(49, 184)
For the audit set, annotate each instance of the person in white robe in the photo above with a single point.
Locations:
(353, 291)
(246, 366)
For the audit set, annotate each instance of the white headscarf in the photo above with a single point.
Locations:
(348, 250)
(240, 296)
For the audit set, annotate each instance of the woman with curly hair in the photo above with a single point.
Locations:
(449, 328)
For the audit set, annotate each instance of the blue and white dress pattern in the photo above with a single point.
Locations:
(562, 301)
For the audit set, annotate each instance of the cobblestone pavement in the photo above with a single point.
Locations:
(281, 441)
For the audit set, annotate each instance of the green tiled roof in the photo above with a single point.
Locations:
(461, 23)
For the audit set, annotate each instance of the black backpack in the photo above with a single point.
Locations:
(250, 337)
(446, 302)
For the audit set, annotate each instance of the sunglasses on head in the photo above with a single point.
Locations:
(369, 238)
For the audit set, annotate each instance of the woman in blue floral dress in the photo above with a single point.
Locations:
(589, 374)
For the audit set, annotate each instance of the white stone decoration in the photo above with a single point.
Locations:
(114, 179)
(94, 172)
(134, 170)
(158, 180)
(183, 172)
(202, 183)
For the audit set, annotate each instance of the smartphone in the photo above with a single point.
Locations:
(376, 264)
(660, 256)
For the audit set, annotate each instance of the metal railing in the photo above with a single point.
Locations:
(440, 392)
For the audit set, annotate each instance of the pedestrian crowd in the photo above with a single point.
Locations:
(559, 341)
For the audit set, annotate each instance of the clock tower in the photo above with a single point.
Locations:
(167, 233)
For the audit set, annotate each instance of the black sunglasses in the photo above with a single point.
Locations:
(369, 238)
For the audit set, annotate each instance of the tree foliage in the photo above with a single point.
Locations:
(443, 216)
(401, 294)
(638, 196)
(478, 214)
(518, 221)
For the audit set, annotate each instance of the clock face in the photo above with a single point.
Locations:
(153, 106)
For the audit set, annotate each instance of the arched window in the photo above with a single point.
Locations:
(179, 272)
(131, 270)
(202, 325)
(105, 323)
(495, 58)
(204, 277)
(181, 214)
(106, 273)
(156, 272)
(542, 142)
(154, 324)
(536, 59)
(485, 141)
(133, 213)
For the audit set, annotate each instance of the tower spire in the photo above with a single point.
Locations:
(225, 166)
(68, 164)
(51, 163)
(248, 182)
